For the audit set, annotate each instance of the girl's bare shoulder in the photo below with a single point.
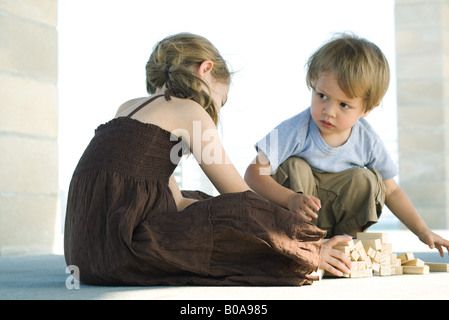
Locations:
(189, 109)
(127, 105)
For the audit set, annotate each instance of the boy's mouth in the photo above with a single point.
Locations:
(326, 124)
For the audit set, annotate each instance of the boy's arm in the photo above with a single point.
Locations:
(258, 178)
(401, 206)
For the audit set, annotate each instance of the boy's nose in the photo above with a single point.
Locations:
(330, 110)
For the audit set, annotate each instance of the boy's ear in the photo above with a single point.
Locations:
(366, 113)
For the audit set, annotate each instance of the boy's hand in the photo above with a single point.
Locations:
(434, 241)
(305, 205)
(335, 261)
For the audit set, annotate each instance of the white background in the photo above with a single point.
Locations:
(105, 44)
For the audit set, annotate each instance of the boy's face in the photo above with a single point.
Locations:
(333, 112)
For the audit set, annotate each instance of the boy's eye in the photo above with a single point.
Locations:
(322, 96)
(344, 105)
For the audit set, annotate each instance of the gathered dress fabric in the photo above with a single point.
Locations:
(122, 226)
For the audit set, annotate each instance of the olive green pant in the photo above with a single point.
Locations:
(350, 199)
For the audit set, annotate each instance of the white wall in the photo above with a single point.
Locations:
(104, 46)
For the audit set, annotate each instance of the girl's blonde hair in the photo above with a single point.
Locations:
(171, 64)
(361, 69)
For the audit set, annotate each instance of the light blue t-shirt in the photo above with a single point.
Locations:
(299, 136)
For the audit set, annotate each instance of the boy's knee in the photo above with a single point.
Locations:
(296, 174)
(291, 166)
(360, 201)
(366, 181)
(364, 178)
(295, 164)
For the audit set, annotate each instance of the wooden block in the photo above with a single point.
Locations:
(376, 244)
(406, 257)
(396, 262)
(383, 236)
(358, 245)
(363, 255)
(319, 274)
(368, 262)
(354, 255)
(358, 265)
(349, 244)
(384, 270)
(414, 262)
(397, 269)
(442, 267)
(385, 258)
(327, 274)
(393, 258)
(377, 257)
(361, 273)
(415, 270)
(375, 266)
(358, 270)
(392, 270)
(343, 249)
(387, 248)
(370, 252)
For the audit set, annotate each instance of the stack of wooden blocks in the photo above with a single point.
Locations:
(372, 254)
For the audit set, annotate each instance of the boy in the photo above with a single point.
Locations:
(327, 163)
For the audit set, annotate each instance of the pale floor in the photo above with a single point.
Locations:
(44, 277)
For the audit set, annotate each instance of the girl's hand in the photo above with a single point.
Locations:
(305, 205)
(335, 261)
(434, 241)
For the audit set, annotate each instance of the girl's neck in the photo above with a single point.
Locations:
(160, 90)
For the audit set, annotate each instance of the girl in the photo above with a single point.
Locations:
(128, 223)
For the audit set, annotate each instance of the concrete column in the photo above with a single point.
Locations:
(28, 126)
(422, 43)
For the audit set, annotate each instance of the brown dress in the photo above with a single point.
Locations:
(122, 226)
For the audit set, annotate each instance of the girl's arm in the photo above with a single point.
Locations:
(259, 179)
(401, 206)
(181, 202)
(205, 144)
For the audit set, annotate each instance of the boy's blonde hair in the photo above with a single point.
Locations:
(361, 69)
(171, 64)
